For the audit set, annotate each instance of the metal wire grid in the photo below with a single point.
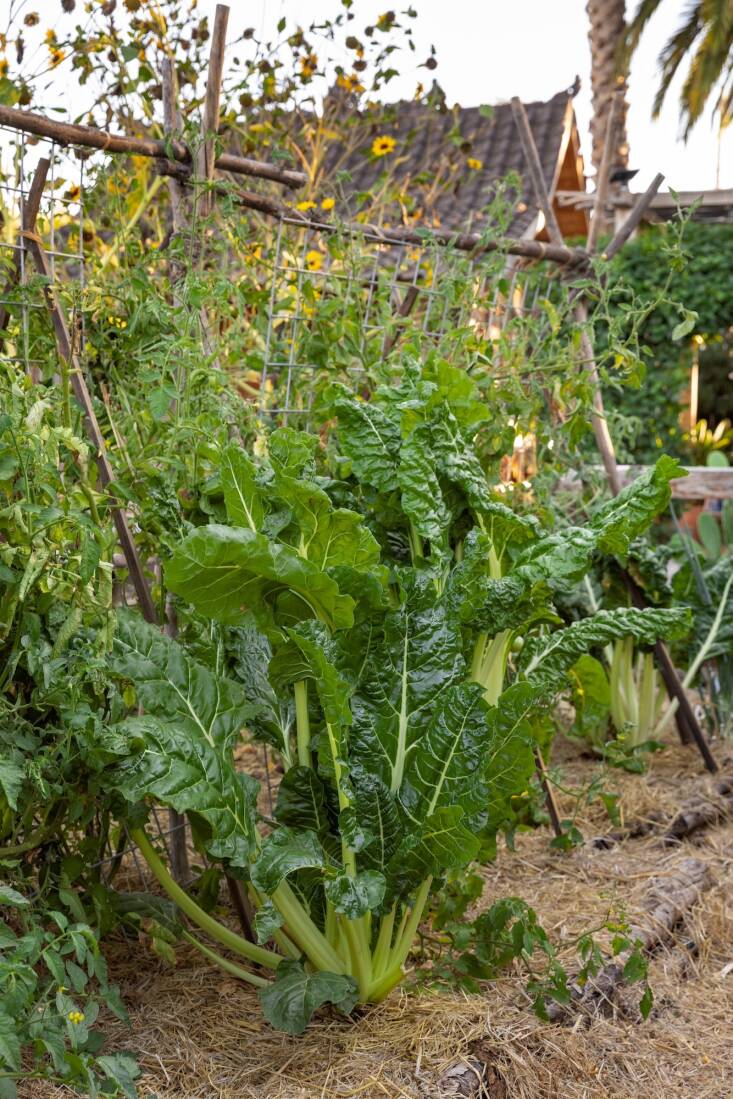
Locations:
(60, 219)
(388, 283)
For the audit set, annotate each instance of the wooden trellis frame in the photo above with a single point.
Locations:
(173, 159)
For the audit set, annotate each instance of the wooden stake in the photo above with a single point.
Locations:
(173, 124)
(638, 210)
(210, 122)
(534, 166)
(548, 792)
(598, 218)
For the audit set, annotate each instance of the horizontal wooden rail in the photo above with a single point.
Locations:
(700, 483)
(67, 133)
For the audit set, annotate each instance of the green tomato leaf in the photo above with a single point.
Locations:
(12, 774)
(289, 1002)
(12, 898)
(9, 1042)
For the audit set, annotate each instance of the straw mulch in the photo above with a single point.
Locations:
(200, 1035)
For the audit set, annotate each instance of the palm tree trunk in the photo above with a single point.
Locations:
(607, 25)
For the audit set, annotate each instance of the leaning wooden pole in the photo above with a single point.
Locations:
(66, 133)
(687, 723)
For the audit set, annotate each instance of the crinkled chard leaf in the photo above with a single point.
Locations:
(193, 775)
(417, 655)
(267, 921)
(225, 571)
(243, 496)
(301, 801)
(354, 896)
(174, 687)
(284, 852)
(546, 660)
(289, 1002)
(371, 439)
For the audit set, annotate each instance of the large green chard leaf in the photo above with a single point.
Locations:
(171, 685)
(225, 571)
(510, 760)
(289, 1002)
(625, 517)
(422, 497)
(416, 656)
(545, 660)
(376, 811)
(354, 896)
(447, 764)
(243, 496)
(188, 772)
(301, 801)
(284, 852)
(370, 438)
(443, 842)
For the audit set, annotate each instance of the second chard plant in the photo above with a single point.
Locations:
(373, 590)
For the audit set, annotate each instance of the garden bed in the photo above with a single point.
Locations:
(200, 1034)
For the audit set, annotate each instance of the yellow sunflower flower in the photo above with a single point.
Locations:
(383, 145)
(328, 203)
(475, 164)
(314, 260)
(305, 205)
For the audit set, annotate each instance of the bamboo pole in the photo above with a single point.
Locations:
(210, 121)
(66, 133)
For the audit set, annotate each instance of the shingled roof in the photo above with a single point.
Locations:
(434, 146)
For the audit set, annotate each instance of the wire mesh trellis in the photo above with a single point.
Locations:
(341, 298)
(60, 226)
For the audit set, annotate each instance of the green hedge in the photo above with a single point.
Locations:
(703, 284)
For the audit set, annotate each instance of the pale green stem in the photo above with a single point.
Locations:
(302, 723)
(197, 915)
(117, 240)
(304, 932)
(360, 960)
(384, 942)
(223, 963)
(478, 657)
(384, 984)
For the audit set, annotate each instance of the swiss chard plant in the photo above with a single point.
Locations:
(377, 590)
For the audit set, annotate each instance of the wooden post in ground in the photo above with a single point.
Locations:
(210, 121)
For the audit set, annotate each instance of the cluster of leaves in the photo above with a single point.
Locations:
(53, 981)
(694, 270)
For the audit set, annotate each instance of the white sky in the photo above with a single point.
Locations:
(489, 50)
